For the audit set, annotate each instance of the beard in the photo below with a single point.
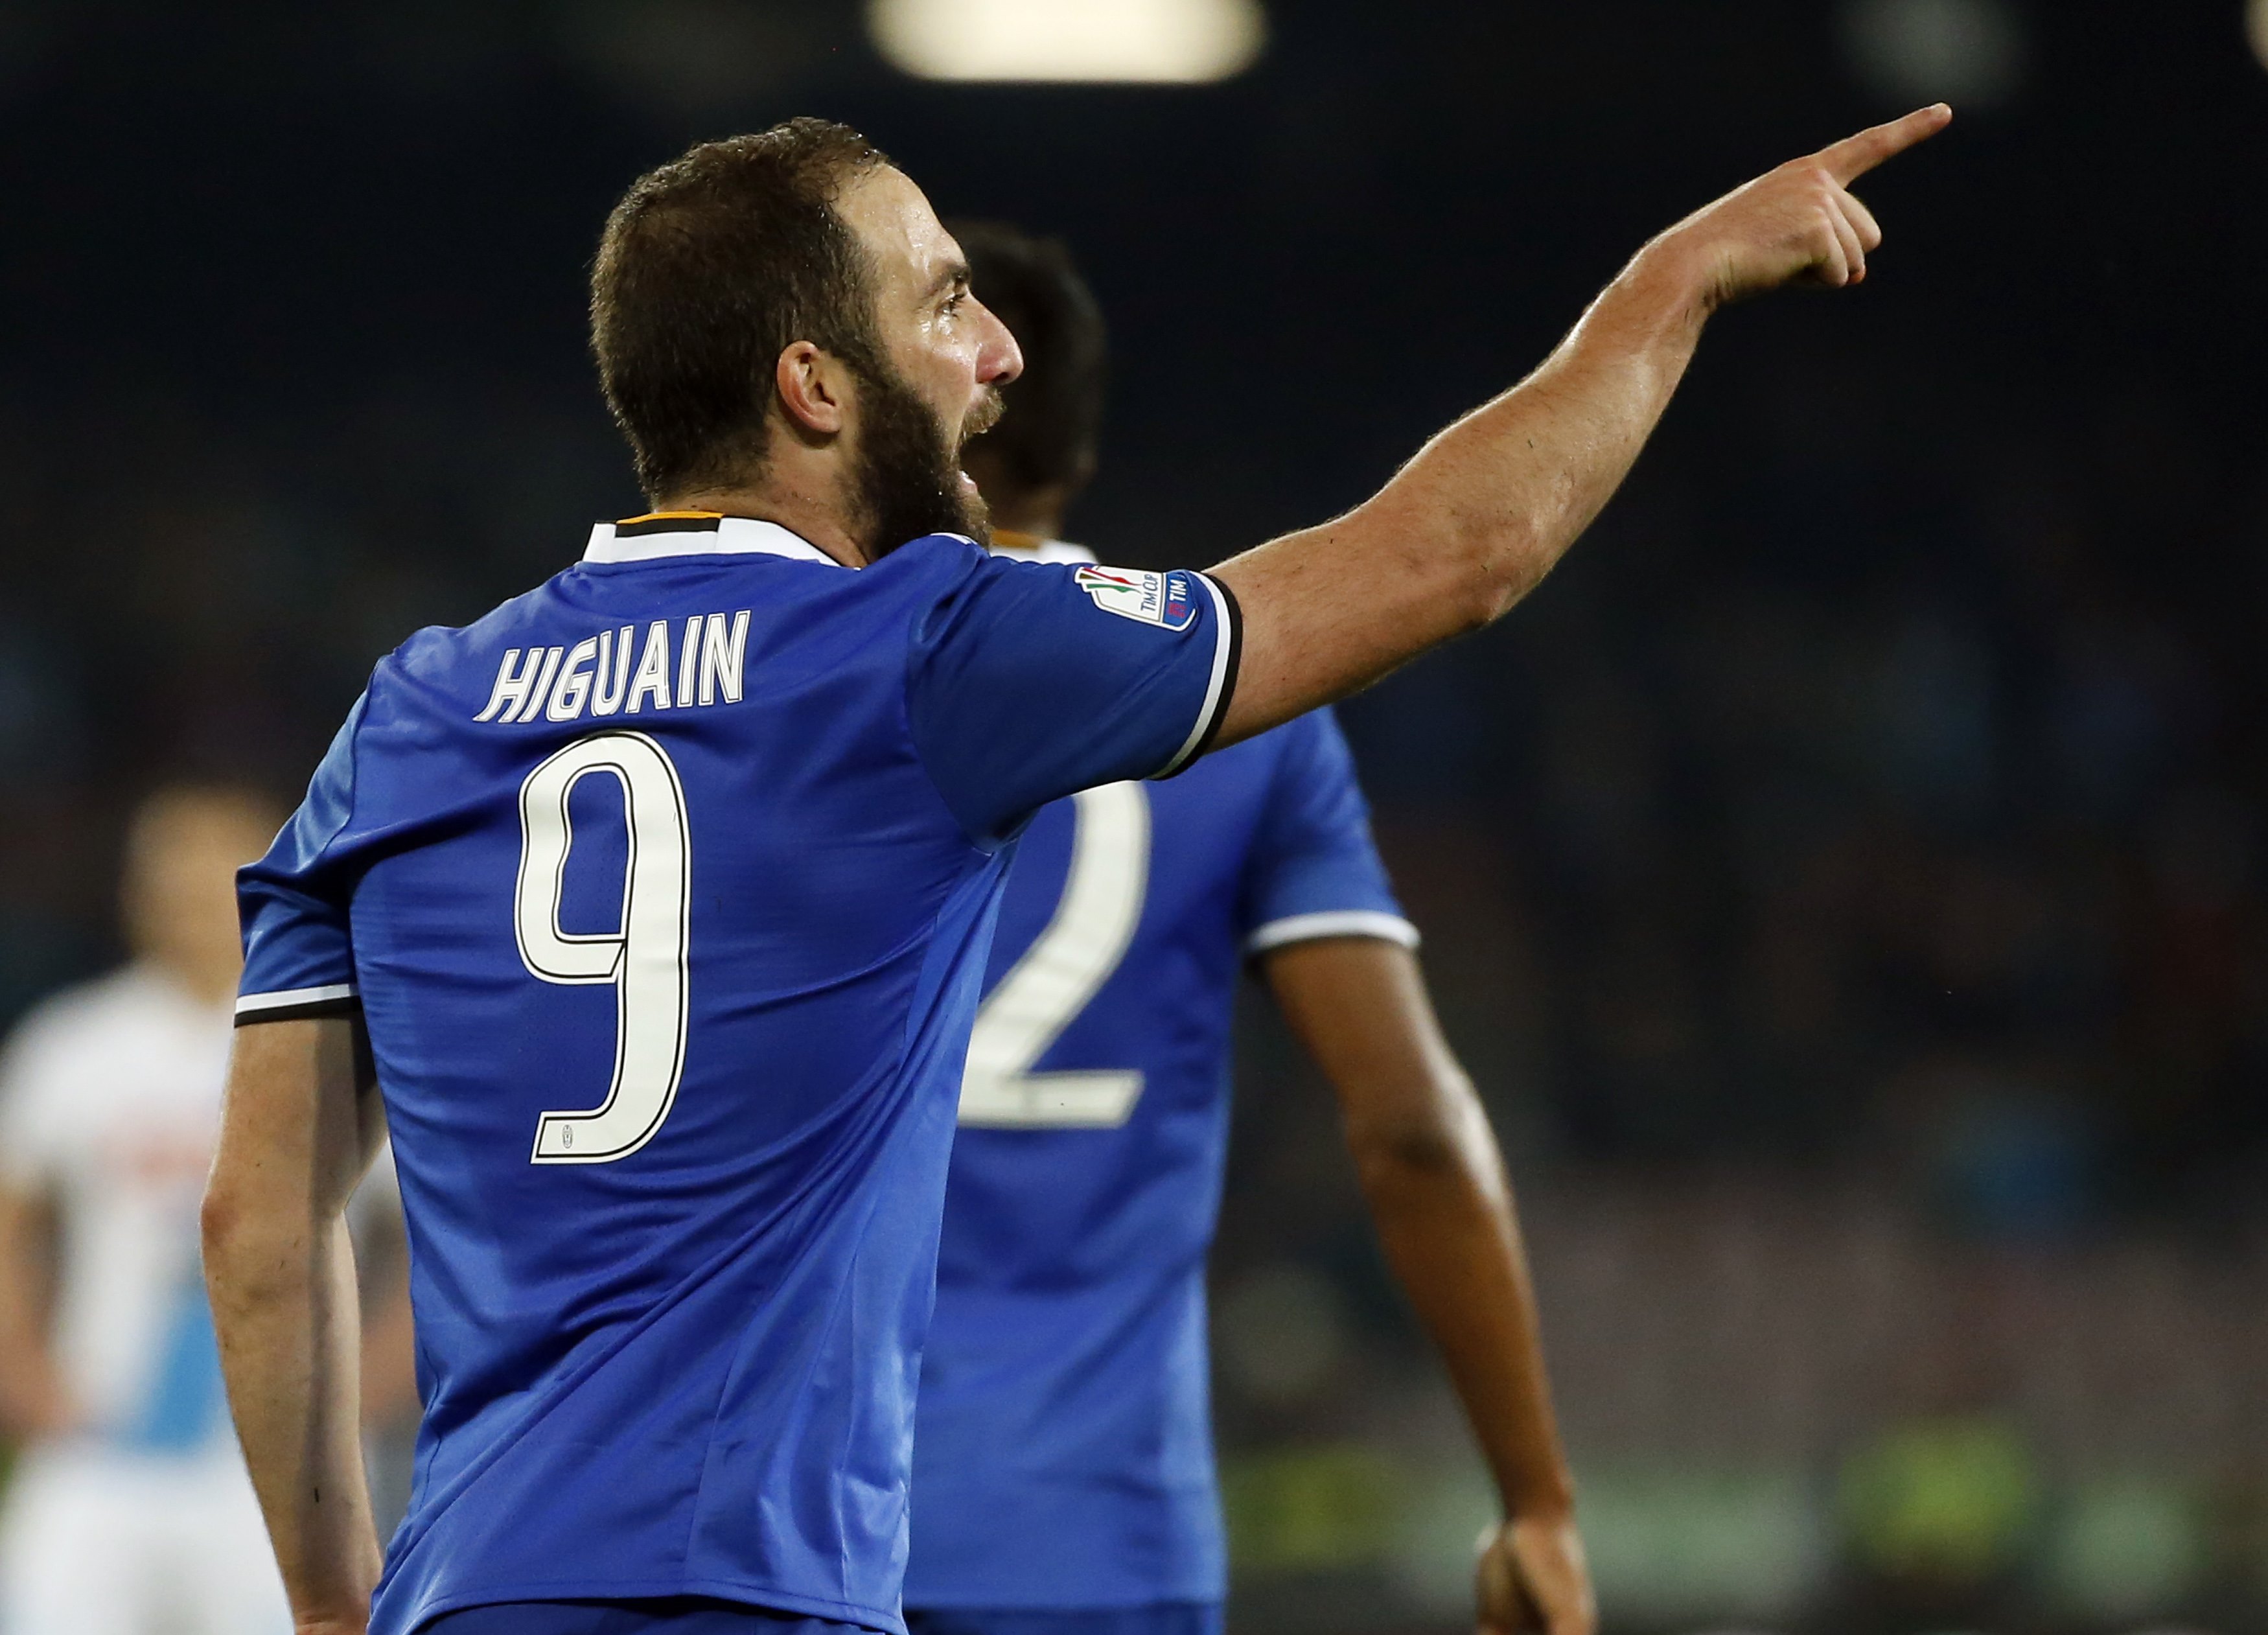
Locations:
(905, 478)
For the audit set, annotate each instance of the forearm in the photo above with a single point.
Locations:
(32, 1398)
(299, 1126)
(1481, 515)
(1476, 519)
(1501, 494)
(285, 1308)
(1436, 1188)
(1444, 1213)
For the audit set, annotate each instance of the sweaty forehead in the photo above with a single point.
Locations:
(892, 218)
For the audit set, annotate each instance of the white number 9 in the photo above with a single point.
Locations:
(646, 960)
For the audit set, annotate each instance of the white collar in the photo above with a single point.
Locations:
(1041, 551)
(699, 534)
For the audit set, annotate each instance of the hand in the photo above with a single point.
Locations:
(1533, 1577)
(1799, 222)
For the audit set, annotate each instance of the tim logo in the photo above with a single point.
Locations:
(1167, 600)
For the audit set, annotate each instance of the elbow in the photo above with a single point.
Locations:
(219, 1217)
(242, 1243)
(265, 1240)
(1499, 560)
(1441, 1137)
(1463, 568)
(220, 1225)
(1406, 1151)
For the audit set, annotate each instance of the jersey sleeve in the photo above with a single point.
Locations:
(1028, 681)
(1316, 871)
(299, 949)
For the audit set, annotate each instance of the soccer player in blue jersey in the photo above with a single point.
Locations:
(658, 901)
(1063, 1477)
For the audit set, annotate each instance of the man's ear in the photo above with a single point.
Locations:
(814, 389)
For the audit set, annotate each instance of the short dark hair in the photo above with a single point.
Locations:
(1054, 420)
(710, 267)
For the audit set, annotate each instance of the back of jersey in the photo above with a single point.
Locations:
(1064, 1456)
(664, 892)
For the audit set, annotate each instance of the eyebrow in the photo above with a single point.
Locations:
(954, 276)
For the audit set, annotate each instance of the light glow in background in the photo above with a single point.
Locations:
(1137, 42)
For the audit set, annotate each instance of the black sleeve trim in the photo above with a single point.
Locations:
(351, 1005)
(1233, 613)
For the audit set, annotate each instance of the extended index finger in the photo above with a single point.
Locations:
(1853, 157)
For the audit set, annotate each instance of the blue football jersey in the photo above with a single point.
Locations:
(665, 891)
(1063, 1454)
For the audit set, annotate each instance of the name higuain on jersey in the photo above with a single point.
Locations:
(596, 675)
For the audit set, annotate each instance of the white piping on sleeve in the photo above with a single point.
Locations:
(256, 1004)
(1373, 923)
(1224, 635)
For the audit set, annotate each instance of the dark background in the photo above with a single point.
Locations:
(1843, 877)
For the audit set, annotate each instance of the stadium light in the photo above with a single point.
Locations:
(1142, 42)
(1970, 53)
(2256, 18)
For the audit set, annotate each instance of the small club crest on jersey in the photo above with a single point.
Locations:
(1166, 600)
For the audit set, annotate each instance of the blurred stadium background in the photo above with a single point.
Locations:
(1847, 878)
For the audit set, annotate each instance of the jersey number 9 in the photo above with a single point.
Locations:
(644, 961)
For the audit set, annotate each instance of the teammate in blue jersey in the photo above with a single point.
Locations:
(1063, 1477)
(658, 901)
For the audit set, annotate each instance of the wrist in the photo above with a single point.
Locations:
(1547, 1498)
(1677, 278)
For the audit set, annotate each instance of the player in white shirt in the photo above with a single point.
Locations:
(130, 1512)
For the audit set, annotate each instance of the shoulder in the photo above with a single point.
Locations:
(953, 586)
(432, 655)
(1019, 548)
(934, 560)
(1061, 591)
(939, 547)
(432, 669)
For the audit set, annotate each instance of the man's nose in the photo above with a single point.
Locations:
(999, 359)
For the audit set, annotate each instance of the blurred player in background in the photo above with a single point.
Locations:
(1064, 1480)
(129, 1513)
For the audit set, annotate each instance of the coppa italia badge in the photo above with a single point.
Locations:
(1166, 600)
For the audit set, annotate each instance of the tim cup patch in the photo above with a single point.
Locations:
(1167, 600)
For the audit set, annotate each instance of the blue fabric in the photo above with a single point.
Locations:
(683, 1615)
(1074, 669)
(1173, 1617)
(1311, 848)
(688, 1370)
(1063, 1455)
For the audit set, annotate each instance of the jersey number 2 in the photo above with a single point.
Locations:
(644, 961)
(1059, 973)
